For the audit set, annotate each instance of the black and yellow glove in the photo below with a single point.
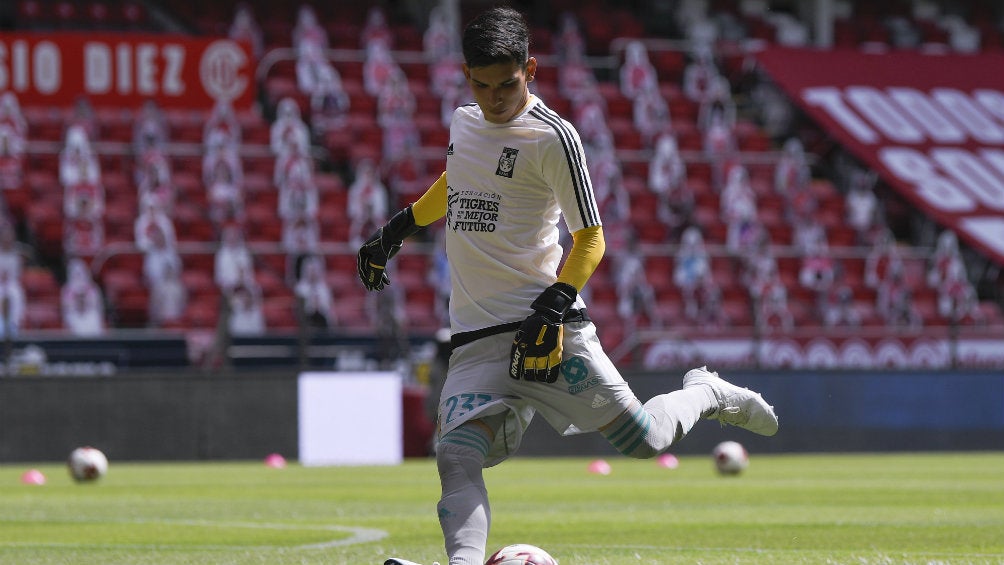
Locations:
(536, 349)
(371, 261)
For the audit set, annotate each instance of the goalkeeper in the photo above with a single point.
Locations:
(523, 342)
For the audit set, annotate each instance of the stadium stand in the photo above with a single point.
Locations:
(606, 25)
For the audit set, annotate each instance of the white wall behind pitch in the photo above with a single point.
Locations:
(350, 418)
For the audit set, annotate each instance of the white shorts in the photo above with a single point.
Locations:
(589, 393)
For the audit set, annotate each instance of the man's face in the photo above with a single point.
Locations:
(500, 89)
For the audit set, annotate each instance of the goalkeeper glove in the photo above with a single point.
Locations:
(536, 349)
(381, 246)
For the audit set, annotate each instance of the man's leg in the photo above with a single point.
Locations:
(643, 431)
(464, 512)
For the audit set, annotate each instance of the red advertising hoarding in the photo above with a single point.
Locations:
(931, 125)
(124, 69)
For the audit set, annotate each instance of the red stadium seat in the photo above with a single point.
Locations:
(203, 311)
(39, 284)
(43, 315)
(280, 314)
(133, 13)
(31, 12)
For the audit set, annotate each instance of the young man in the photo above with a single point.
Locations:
(522, 341)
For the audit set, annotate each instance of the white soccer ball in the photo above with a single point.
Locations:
(521, 554)
(87, 464)
(730, 457)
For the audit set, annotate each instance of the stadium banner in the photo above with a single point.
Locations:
(125, 69)
(932, 125)
(922, 351)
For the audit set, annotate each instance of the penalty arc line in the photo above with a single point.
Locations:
(359, 535)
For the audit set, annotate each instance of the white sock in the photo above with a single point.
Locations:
(681, 409)
(464, 512)
(646, 430)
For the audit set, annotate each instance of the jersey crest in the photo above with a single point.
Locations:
(507, 162)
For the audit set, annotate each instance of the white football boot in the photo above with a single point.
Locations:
(396, 561)
(736, 406)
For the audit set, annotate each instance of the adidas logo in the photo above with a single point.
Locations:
(600, 401)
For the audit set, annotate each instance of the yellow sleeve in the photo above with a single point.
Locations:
(587, 250)
(432, 205)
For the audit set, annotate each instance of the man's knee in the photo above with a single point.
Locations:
(451, 454)
(643, 450)
(460, 468)
(464, 449)
(637, 433)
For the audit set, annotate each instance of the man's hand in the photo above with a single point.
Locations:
(371, 261)
(536, 349)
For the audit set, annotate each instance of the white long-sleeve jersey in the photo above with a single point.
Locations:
(508, 185)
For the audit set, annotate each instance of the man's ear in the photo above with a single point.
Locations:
(531, 68)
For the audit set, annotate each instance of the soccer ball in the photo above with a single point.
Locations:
(521, 554)
(87, 464)
(730, 457)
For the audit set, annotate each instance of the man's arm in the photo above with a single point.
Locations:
(587, 250)
(371, 261)
(537, 347)
(432, 205)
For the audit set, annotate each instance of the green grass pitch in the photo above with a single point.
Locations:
(785, 509)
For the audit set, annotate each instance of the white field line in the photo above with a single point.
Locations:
(357, 535)
(878, 558)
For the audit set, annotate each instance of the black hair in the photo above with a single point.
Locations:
(497, 35)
